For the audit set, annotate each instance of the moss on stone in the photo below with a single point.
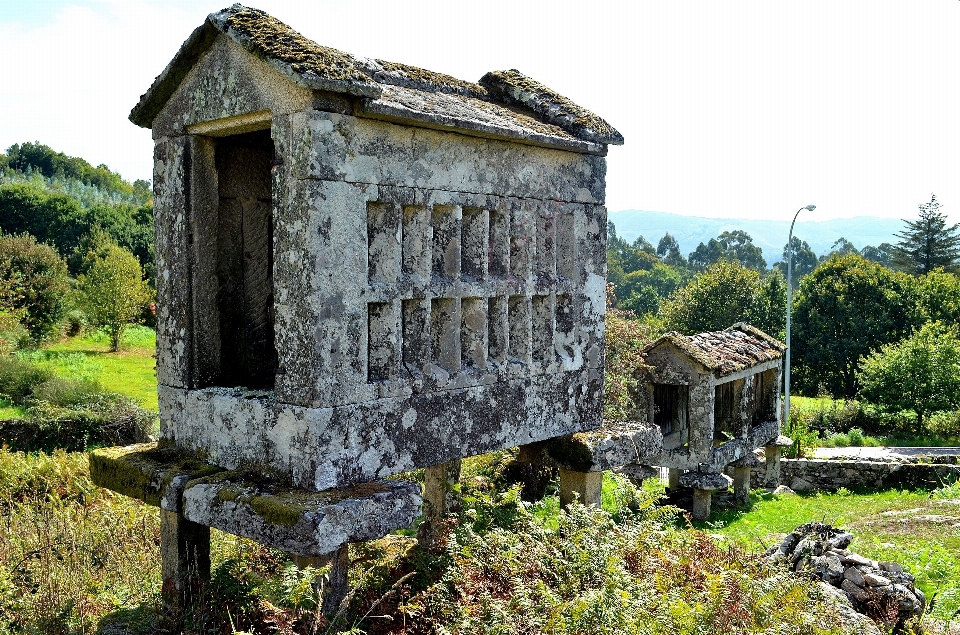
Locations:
(278, 41)
(145, 470)
(512, 86)
(279, 505)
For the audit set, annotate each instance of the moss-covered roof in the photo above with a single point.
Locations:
(522, 107)
(728, 351)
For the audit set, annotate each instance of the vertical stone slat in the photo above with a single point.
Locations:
(171, 234)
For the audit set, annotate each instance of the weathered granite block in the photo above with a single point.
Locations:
(155, 475)
(300, 522)
(612, 446)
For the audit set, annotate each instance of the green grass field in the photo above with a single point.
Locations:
(920, 530)
(130, 371)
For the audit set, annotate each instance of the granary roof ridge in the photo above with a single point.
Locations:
(514, 87)
(728, 351)
(322, 68)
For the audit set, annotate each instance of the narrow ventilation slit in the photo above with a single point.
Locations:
(383, 336)
(383, 243)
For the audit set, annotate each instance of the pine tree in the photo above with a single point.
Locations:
(928, 243)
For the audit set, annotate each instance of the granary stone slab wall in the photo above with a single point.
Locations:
(806, 475)
(330, 447)
(336, 147)
(437, 294)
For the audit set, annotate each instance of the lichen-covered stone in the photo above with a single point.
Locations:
(612, 446)
(300, 522)
(507, 104)
(707, 481)
(155, 475)
(329, 447)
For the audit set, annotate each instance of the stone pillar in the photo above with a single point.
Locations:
(336, 583)
(703, 484)
(185, 558)
(741, 485)
(772, 452)
(586, 485)
(772, 478)
(673, 478)
(701, 504)
(440, 497)
(742, 468)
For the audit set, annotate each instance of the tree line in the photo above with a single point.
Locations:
(879, 323)
(76, 247)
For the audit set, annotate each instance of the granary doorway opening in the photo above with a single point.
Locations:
(248, 354)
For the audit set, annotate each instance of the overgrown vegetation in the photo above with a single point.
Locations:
(71, 414)
(73, 556)
(912, 528)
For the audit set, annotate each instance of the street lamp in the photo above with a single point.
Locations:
(786, 382)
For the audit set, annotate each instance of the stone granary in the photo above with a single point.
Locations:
(715, 398)
(363, 268)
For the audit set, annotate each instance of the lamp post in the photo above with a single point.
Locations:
(786, 382)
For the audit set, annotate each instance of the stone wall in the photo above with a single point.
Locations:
(805, 475)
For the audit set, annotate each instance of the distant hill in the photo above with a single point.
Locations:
(769, 235)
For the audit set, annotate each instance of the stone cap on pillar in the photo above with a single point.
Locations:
(613, 445)
(706, 480)
(750, 459)
(781, 442)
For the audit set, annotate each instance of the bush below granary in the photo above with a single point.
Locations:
(66, 414)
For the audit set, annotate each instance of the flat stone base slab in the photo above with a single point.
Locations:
(301, 522)
(611, 446)
(147, 472)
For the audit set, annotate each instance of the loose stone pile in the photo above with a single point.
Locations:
(881, 590)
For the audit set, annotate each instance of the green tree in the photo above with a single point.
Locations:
(722, 295)
(846, 308)
(35, 283)
(736, 245)
(881, 254)
(920, 373)
(668, 250)
(642, 291)
(939, 297)
(927, 243)
(804, 260)
(113, 292)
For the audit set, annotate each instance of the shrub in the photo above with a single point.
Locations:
(507, 570)
(624, 396)
(67, 413)
(920, 373)
(113, 291)
(34, 282)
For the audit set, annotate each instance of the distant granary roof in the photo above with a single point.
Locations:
(502, 103)
(728, 351)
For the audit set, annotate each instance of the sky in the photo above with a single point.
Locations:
(736, 109)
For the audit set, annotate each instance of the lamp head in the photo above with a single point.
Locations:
(810, 208)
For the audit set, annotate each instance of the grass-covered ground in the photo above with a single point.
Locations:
(130, 371)
(75, 558)
(920, 530)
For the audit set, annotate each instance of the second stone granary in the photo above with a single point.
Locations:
(715, 396)
(364, 267)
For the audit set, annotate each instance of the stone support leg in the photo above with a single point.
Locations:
(440, 497)
(185, 557)
(741, 485)
(335, 585)
(701, 504)
(586, 485)
(772, 453)
(673, 478)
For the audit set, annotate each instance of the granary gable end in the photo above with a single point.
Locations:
(366, 267)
